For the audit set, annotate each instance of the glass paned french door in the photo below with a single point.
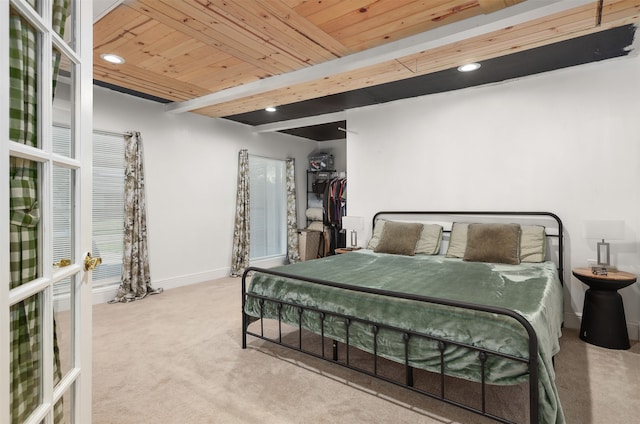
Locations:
(45, 339)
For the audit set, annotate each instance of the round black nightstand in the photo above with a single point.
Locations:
(603, 320)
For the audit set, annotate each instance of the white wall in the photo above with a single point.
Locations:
(566, 141)
(191, 172)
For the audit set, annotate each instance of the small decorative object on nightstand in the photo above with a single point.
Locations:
(603, 320)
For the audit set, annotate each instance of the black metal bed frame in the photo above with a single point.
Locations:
(483, 353)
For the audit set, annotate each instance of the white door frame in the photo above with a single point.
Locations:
(4, 219)
(79, 375)
(84, 120)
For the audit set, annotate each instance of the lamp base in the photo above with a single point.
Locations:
(354, 239)
(603, 254)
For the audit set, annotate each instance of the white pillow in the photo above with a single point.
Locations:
(377, 232)
(457, 240)
(429, 242)
(533, 243)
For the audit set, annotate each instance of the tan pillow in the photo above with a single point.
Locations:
(429, 242)
(399, 238)
(533, 243)
(497, 243)
(457, 240)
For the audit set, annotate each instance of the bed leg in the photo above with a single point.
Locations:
(334, 345)
(410, 376)
(244, 330)
(244, 315)
(408, 368)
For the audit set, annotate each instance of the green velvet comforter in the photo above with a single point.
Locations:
(531, 289)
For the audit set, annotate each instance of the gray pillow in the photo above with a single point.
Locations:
(497, 243)
(399, 238)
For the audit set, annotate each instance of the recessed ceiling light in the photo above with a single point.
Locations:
(270, 109)
(468, 67)
(112, 58)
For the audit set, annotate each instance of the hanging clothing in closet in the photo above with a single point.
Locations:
(335, 205)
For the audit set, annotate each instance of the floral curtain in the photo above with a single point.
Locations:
(293, 254)
(25, 316)
(136, 278)
(241, 231)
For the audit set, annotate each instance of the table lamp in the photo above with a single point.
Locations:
(601, 230)
(355, 224)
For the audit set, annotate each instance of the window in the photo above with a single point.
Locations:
(108, 206)
(108, 203)
(268, 197)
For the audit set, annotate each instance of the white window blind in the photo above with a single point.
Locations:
(108, 203)
(267, 186)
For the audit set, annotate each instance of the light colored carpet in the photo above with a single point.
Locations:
(177, 358)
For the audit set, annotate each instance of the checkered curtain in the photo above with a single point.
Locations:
(25, 325)
(135, 283)
(241, 231)
(293, 254)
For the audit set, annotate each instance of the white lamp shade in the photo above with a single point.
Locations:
(353, 223)
(604, 229)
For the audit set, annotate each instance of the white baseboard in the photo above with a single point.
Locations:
(105, 293)
(185, 280)
(634, 330)
(572, 320)
(101, 294)
(269, 262)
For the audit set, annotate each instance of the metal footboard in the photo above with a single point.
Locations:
(482, 353)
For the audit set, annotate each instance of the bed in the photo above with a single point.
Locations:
(471, 295)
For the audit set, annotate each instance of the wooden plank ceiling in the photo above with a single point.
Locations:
(183, 50)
